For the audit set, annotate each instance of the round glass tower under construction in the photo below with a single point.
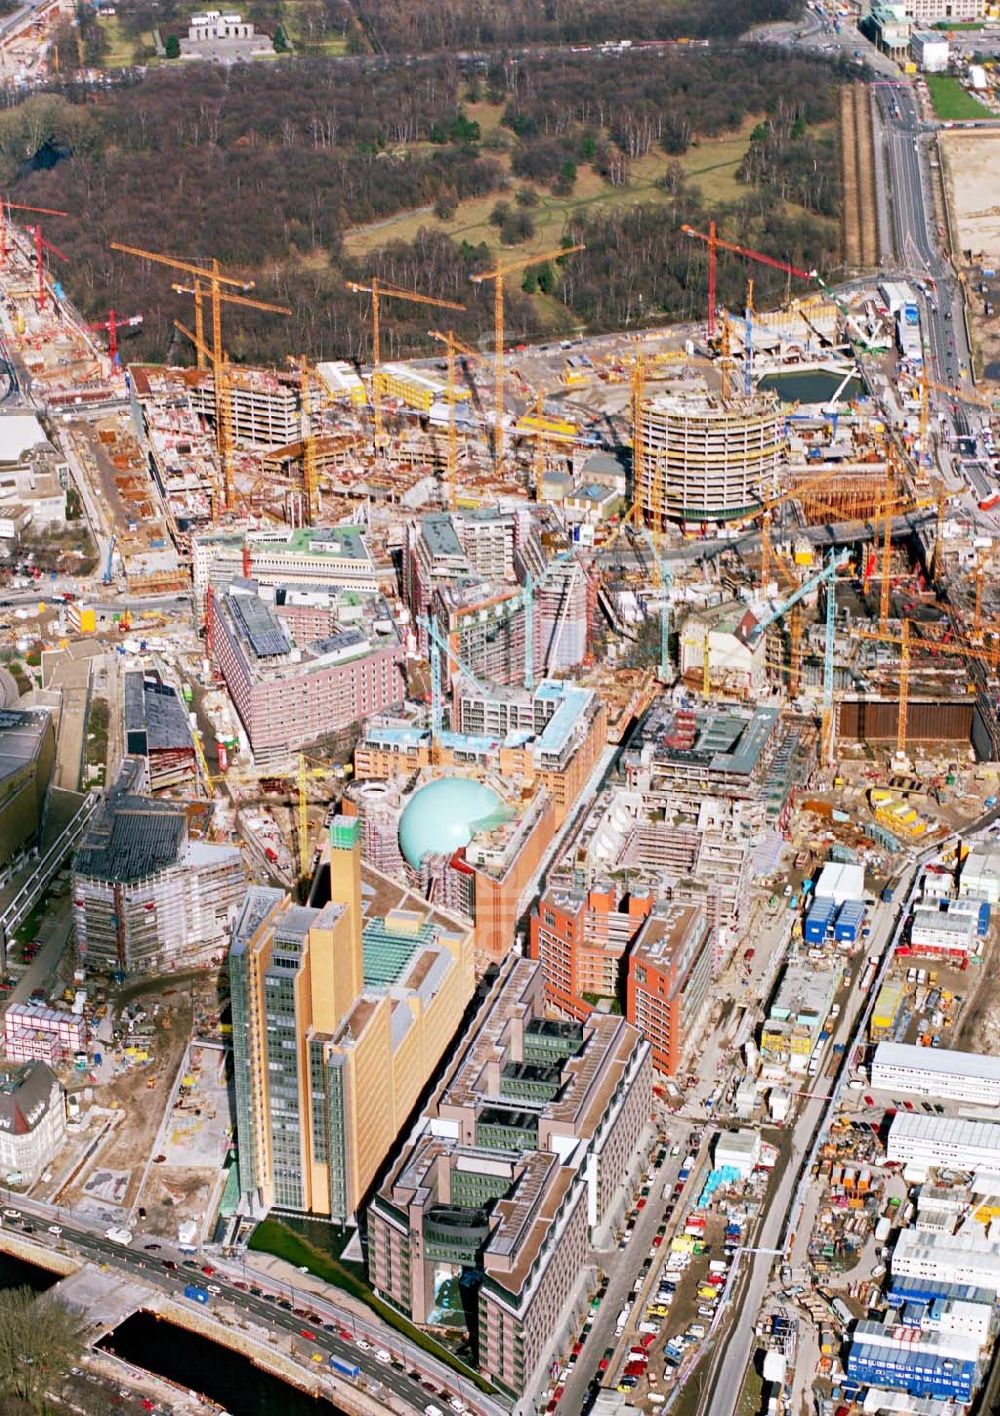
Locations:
(702, 460)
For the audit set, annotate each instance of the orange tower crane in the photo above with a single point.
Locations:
(453, 346)
(716, 244)
(498, 275)
(7, 207)
(381, 290)
(955, 394)
(310, 477)
(905, 643)
(216, 284)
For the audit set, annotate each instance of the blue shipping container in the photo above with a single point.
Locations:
(849, 921)
(196, 1294)
(819, 919)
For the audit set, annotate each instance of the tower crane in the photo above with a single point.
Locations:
(638, 394)
(198, 290)
(498, 275)
(748, 342)
(905, 643)
(217, 285)
(453, 345)
(310, 476)
(7, 207)
(955, 394)
(439, 644)
(381, 290)
(41, 246)
(827, 576)
(111, 326)
(715, 244)
(214, 281)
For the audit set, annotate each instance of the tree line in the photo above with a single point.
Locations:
(267, 175)
(421, 26)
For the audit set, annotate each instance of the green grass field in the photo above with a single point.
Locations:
(274, 1237)
(951, 101)
(712, 165)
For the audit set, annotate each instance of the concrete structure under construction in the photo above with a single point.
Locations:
(147, 898)
(32, 1120)
(526, 1152)
(264, 404)
(553, 734)
(750, 757)
(708, 461)
(27, 759)
(342, 1011)
(157, 729)
(317, 556)
(302, 665)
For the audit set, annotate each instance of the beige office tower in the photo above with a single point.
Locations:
(339, 1020)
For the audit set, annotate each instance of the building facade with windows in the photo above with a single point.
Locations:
(341, 1013)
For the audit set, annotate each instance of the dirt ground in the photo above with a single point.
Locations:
(971, 170)
(127, 1152)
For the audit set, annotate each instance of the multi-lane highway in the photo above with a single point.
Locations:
(249, 1297)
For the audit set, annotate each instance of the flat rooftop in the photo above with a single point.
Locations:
(943, 1060)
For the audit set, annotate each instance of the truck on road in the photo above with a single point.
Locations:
(196, 1293)
(344, 1367)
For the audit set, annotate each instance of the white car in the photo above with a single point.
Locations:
(365, 1346)
(214, 1289)
(55, 1229)
(381, 1355)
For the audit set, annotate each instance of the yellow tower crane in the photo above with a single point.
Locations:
(905, 643)
(216, 284)
(453, 346)
(381, 290)
(638, 397)
(310, 475)
(956, 394)
(498, 275)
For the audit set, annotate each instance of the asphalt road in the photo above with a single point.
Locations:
(277, 1307)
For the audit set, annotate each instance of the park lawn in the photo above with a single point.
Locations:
(120, 52)
(951, 101)
(711, 165)
(273, 1237)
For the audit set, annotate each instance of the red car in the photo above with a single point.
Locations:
(640, 1204)
(869, 1100)
(603, 1364)
(657, 1240)
(716, 1279)
(309, 1336)
(207, 1269)
(634, 1369)
(344, 1335)
(908, 1105)
(648, 1338)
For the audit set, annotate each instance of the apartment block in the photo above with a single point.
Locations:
(553, 735)
(342, 1010)
(316, 556)
(32, 1120)
(157, 729)
(147, 897)
(292, 686)
(526, 1149)
(667, 981)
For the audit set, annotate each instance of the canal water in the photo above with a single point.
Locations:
(194, 1362)
(186, 1358)
(811, 386)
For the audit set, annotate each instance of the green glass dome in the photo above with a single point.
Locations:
(445, 815)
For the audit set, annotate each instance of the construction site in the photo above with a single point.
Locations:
(778, 508)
